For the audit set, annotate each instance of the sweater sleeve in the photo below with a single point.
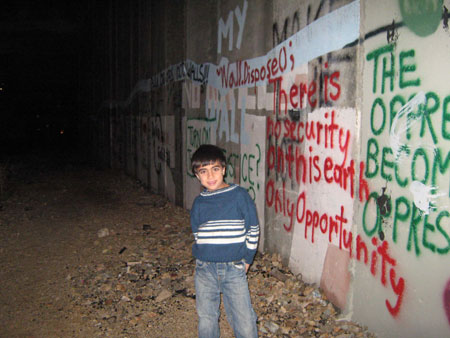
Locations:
(252, 228)
(194, 220)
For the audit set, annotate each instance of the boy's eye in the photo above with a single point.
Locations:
(216, 169)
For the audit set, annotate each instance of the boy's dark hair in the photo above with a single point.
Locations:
(207, 154)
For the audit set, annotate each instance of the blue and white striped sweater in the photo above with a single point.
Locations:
(225, 225)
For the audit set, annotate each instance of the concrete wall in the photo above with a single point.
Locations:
(404, 144)
(333, 114)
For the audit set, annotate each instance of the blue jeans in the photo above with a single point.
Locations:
(230, 279)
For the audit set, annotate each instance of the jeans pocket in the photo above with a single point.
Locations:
(240, 265)
(199, 264)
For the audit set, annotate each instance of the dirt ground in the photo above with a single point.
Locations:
(91, 253)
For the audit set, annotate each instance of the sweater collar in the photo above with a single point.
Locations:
(218, 191)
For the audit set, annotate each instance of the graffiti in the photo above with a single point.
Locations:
(250, 164)
(446, 300)
(199, 131)
(198, 137)
(226, 29)
(381, 162)
(232, 164)
(157, 141)
(259, 70)
(295, 26)
(384, 204)
(324, 133)
(181, 71)
(255, 71)
(416, 158)
(402, 123)
(425, 164)
(221, 110)
(332, 32)
(162, 143)
(392, 33)
(243, 73)
(388, 73)
(196, 72)
(282, 204)
(315, 151)
(297, 50)
(431, 228)
(421, 16)
(301, 92)
(307, 149)
(284, 34)
(191, 95)
(333, 226)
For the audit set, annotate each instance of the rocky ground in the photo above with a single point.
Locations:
(91, 253)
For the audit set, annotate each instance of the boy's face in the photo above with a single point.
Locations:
(211, 176)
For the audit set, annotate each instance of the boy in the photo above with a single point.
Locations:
(226, 231)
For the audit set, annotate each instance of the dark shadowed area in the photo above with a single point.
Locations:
(43, 45)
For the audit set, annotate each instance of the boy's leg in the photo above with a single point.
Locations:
(207, 299)
(238, 306)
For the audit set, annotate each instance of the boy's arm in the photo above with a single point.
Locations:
(252, 227)
(194, 221)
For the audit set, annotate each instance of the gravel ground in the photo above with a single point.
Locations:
(91, 253)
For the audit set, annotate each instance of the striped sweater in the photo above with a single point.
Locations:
(225, 225)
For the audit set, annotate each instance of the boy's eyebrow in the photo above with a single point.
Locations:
(204, 167)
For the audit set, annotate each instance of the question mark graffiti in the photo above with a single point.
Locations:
(247, 162)
(257, 164)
